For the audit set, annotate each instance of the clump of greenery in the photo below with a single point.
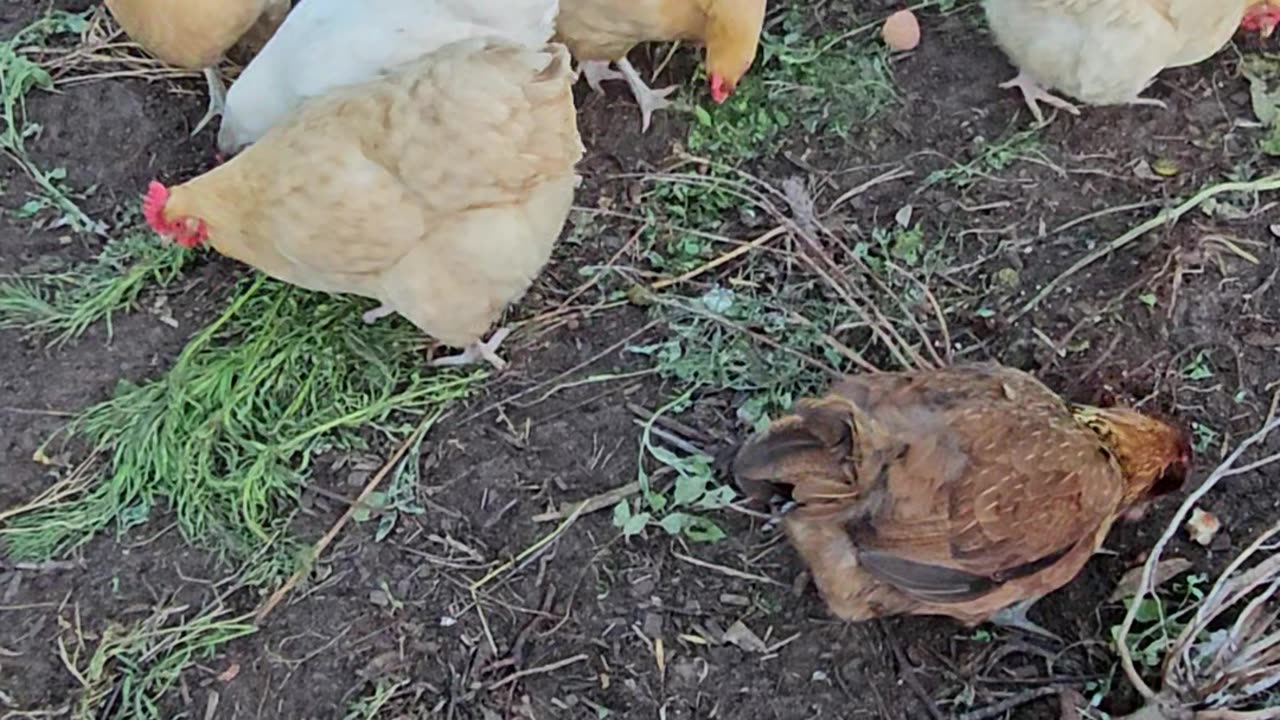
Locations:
(1160, 619)
(133, 667)
(19, 75)
(826, 84)
(372, 705)
(990, 157)
(694, 491)
(708, 348)
(65, 304)
(227, 434)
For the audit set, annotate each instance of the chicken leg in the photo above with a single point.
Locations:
(1033, 94)
(1015, 616)
(650, 100)
(377, 314)
(596, 72)
(217, 98)
(475, 352)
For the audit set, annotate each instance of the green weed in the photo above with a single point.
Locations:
(1161, 618)
(19, 75)
(225, 437)
(695, 491)
(990, 158)
(132, 668)
(65, 304)
(370, 707)
(825, 85)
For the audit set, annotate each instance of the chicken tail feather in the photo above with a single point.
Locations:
(801, 453)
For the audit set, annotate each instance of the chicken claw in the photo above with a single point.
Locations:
(1033, 94)
(377, 314)
(477, 351)
(217, 98)
(596, 72)
(1015, 616)
(650, 100)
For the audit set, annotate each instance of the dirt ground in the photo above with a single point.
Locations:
(639, 622)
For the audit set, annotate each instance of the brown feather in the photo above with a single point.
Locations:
(956, 491)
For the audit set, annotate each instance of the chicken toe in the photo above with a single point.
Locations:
(377, 314)
(486, 350)
(217, 98)
(596, 72)
(1033, 94)
(650, 100)
(1015, 616)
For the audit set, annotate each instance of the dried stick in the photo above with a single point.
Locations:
(279, 595)
(1168, 217)
(1149, 569)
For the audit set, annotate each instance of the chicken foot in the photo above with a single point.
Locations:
(1015, 616)
(649, 100)
(1033, 94)
(217, 98)
(475, 352)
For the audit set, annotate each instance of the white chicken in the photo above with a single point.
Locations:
(1106, 52)
(325, 44)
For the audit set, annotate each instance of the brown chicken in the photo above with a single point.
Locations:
(439, 190)
(196, 34)
(968, 492)
(1106, 52)
(600, 32)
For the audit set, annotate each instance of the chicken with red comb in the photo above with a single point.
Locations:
(603, 32)
(439, 190)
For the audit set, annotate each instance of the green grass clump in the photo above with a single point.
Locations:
(65, 304)
(225, 437)
(706, 346)
(19, 75)
(133, 667)
(826, 85)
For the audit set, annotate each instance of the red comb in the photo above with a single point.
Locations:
(1263, 17)
(153, 207)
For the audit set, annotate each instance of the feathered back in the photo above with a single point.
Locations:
(326, 44)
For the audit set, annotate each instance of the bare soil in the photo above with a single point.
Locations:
(491, 470)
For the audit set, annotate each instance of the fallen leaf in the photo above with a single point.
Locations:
(1166, 570)
(229, 674)
(742, 636)
(1203, 526)
(1165, 167)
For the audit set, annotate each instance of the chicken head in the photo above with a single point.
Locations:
(732, 39)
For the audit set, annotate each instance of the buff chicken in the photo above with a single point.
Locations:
(968, 492)
(1106, 52)
(439, 190)
(602, 32)
(195, 34)
(326, 44)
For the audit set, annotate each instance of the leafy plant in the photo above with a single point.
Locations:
(19, 75)
(228, 433)
(65, 304)
(694, 491)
